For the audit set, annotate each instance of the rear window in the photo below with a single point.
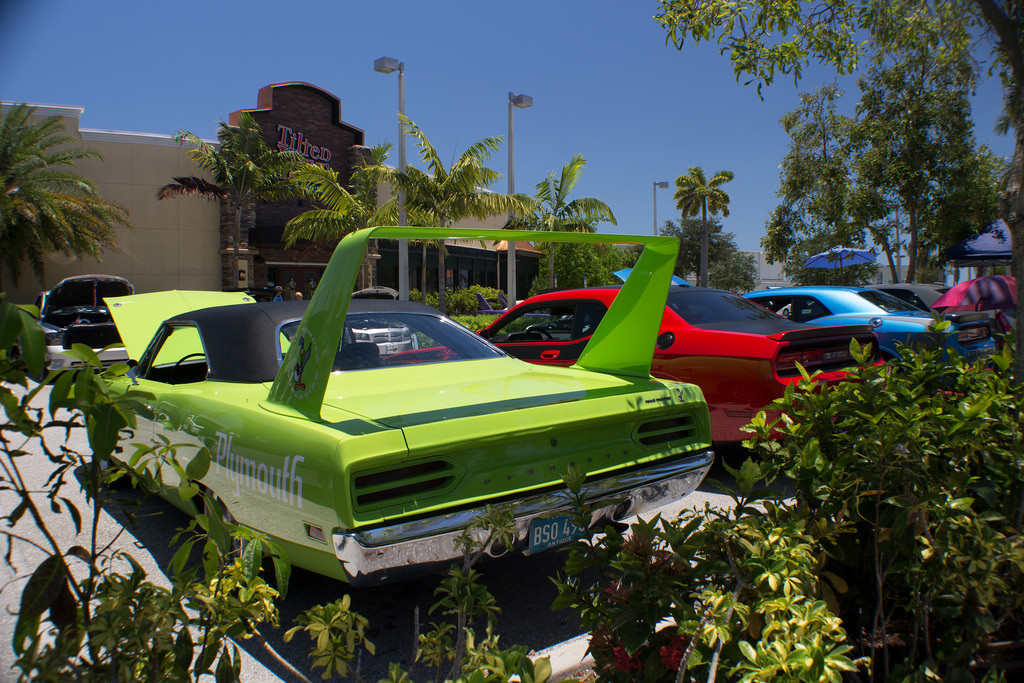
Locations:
(886, 302)
(701, 307)
(375, 340)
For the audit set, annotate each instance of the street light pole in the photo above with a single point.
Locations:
(387, 65)
(522, 102)
(663, 185)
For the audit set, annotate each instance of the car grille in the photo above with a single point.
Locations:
(384, 336)
(401, 484)
(94, 336)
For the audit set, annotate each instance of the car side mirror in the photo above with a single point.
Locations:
(133, 370)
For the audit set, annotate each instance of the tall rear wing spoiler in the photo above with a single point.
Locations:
(622, 344)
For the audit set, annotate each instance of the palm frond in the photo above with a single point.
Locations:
(191, 186)
(318, 225)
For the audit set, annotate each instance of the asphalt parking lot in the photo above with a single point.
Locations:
(396, 612)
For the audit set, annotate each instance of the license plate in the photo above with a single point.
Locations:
(551, 532)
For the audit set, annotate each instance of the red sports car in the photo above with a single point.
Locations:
(740, 354)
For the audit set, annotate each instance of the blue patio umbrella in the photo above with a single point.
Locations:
(624, 273)
(840, 257)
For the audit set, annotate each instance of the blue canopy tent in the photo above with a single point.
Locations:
(990, 247)
(624, 273)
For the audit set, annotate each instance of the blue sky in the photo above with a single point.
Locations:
(603, 81)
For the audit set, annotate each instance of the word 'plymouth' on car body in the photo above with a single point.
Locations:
(740, 355)
(364, 460)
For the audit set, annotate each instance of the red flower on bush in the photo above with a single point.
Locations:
(625, 662)
(672, 654)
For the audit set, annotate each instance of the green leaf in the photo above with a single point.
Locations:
(181, 557)
(184, 648)
(44, 588)
(199, 465)
(252, 558)
(103, 425)
(748, 650)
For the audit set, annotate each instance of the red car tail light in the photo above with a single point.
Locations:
(811, 359)
(971, 334)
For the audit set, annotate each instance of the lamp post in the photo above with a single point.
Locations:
(663, 185)
(519, 101)
(388, 65)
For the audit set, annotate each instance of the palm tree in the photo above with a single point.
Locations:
(343, 210)
(552, 210)
(695, 194)
(45, 208)
(446, 195)
(243, 168)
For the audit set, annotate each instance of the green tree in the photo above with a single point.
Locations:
(552, 210)
(448, 194)
(919, 174)
(814, 213)
(243, 169)
(728, 267)
(690, 232)
(342, 210)
(737, 272)
(765, 38)
(695, 194)
(45, 207)
(584, 265)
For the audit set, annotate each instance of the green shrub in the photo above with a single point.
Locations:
(106, 621)
(475, 322)
(730, 590)
(913, 473)
(460, 301)
(898, 557)
(80, 618)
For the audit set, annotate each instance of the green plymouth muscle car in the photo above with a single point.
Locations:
(365, 462)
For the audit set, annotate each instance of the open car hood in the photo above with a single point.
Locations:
(138, 317)
(85, 290)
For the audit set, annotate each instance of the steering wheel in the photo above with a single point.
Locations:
(174, 370)
(544, 334)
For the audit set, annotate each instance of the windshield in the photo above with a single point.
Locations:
(699, 307)
(375, 340)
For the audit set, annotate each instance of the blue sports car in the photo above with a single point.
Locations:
(895, 322)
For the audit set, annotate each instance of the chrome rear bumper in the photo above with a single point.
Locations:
(411, 548)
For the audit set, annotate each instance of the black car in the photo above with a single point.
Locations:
(74, 312)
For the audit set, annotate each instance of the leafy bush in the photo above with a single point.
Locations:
(93, 614)
(460, 301)
(90, 613)
(475, 322)
(736, 590)
(914, 470)
(898, 557)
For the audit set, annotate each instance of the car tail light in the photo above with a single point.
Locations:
(811, 359)
(971, 334)
(668, 430)
(401, 484)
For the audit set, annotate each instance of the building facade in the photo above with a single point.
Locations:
(190, 243)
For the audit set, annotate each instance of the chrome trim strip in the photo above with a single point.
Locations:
(410, 548)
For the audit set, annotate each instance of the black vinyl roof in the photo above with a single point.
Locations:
(241, 342)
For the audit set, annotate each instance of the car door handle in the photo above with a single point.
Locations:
(549, 354)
